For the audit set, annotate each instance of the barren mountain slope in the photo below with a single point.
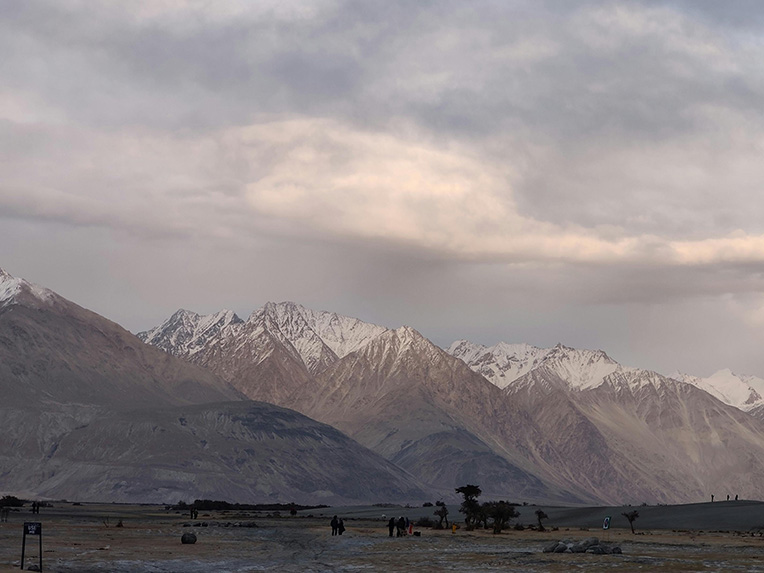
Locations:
(407, 399)
(90, 412)
(238, 451)
(53, 351)
(633, 435)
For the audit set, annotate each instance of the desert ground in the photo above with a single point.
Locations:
(724, 536)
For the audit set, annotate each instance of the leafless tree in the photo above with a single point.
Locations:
(631, 516)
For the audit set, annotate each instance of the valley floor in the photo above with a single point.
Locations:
(85, 539)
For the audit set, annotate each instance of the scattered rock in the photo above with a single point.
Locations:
(551, 547)
(588, 545)
(188, 539)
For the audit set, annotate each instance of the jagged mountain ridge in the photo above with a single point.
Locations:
(505, 364)
(317, 338)
(261, 358)
(741, 391)
(90, 412)
(398, 394)
(671, 427)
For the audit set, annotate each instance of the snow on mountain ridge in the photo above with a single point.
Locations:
(743, 392)
(12, 287)
(316, 338)
(581, 369)
(503, 363)
(186, 332)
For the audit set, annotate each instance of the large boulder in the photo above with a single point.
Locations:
(188, 539)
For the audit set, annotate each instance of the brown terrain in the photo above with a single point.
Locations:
(714, 537)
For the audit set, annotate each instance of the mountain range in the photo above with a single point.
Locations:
(524, 422)
(292, 404)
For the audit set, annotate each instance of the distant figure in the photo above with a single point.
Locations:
(391, 525)
(712, 498)
(728, 497)
(735, 497)
(4, 514)
(335, 525)
(401, 526)
(453, 528)
(340, 526)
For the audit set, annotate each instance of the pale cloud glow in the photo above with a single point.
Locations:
(525, 171)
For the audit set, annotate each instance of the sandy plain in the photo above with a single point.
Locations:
(84, 538)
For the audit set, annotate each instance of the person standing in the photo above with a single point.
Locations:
(340, 526)
(391, 525)
(401, 526)
(335, 525)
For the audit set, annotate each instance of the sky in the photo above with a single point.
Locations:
(539, 171)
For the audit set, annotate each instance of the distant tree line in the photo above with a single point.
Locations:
(12, 501)
(476, 514)
(216, 505)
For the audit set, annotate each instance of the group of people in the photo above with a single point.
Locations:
(402, 525)
(338, 526)
(728, 497)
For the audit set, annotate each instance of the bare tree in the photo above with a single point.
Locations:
(631, 516)
(541, 515)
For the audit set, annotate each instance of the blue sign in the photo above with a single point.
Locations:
(606, 523)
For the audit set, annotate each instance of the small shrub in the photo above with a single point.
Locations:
(427, 504)
(519, 527)
(425, 522)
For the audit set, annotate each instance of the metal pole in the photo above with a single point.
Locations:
(23, 546)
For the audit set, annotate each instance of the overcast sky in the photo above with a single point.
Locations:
(590, 173)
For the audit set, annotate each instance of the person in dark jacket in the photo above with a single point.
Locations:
(391, 525)
(335, 525)
(401, 526)
(340, 526)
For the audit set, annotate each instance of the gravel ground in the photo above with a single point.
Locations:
(84, 539)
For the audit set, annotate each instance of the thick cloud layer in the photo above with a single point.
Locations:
(584, 172)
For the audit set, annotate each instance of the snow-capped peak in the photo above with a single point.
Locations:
(187, 332)
(581, 369)
(504, 363)
(341, 334)
(11, 288)
(744, 392)
(501, 363)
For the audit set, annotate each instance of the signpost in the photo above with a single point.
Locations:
(606, 526)
(31, 528)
